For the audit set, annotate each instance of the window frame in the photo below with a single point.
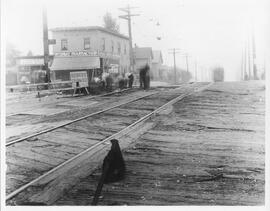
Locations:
(64, 48)
(84, 43)
(112, 47)
(103, 46)
(118, 47)
(125, 49)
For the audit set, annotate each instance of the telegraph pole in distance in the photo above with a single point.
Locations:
(186, 55)
(196, 70)
(46, 44)
(254, 56)
(128, 18)
(174, 52)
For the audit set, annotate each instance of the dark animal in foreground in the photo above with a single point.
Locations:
(113, 169)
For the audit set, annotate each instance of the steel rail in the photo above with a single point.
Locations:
(89, 98)
(171, 102)
(75, 120)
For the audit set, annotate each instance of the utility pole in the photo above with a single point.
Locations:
(186, 55)
(46, 44)
(128, 18)
(174, 62)
(245, 62)
(254, 56)
(196, 70)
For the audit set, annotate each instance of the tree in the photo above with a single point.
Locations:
(11, 54)
(110, 22)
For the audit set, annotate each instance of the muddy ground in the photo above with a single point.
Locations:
(210, 150)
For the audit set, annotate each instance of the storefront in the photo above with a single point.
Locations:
(30, 69)
(94, 63)
(64, 65)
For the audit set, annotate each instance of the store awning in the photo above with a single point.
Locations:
(75, 63)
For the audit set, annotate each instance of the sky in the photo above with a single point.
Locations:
(213, 32)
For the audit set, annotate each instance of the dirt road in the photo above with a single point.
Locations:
(210, 150)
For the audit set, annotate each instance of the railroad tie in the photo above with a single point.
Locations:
(113, 169)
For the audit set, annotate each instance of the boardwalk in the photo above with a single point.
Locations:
(208, 151)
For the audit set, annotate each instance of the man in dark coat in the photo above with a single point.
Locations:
(145, 77)
(142, 71)
(130, 81)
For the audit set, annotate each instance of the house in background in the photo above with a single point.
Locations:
(142, 56)
(157, 66)
(31, 69)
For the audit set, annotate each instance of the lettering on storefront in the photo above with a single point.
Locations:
(86, 53)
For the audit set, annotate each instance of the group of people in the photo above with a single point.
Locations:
(126, 80)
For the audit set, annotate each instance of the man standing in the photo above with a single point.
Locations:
(145, 77)
(130, 81)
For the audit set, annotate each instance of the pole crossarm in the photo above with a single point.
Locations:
(124, 17)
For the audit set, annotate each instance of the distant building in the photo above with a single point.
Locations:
(30, 69)
(143, 56)
(157, 65)
(91, 49)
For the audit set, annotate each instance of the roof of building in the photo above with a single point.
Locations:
(88, 28)
(157, 57)
(142, 53)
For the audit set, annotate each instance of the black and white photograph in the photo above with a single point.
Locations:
(135, 104)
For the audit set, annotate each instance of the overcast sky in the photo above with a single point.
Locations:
(211, 31)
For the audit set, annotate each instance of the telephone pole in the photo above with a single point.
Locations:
(196, 65)
(128, 18)
(254, 56)
(46, 44)
(187, 60)
(174, 62)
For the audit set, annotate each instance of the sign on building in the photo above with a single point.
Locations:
(87, 53)
(79, 79)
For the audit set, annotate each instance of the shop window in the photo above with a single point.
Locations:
(125, 49)
(64, 45)
(103, 44)
(86, 43)
(118, 47)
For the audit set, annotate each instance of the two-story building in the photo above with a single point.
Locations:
(88, 49)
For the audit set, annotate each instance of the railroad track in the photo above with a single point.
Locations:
(87, 96)
(33, 123)
(36, 157)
